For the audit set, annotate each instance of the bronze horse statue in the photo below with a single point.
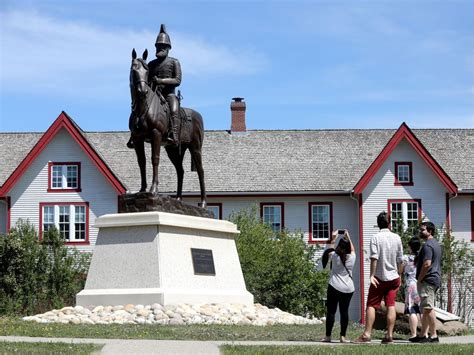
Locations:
(151, 125)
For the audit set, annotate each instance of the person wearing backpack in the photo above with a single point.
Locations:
(341, 285)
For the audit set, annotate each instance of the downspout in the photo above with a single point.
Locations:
(358, 200)
(448, 230)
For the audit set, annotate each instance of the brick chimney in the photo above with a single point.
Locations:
(237, 109)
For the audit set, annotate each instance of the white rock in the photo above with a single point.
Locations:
(130, 308)
(156, 306)
(98, 309)
(176, 321)
(143, 312)
(120, 313)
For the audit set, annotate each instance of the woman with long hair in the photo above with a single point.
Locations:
(341, 285)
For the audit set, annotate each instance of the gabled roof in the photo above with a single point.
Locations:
(39, 143)
(404, 132)
(285, 161)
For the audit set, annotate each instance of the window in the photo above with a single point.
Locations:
(404, 214)
(71, 220)
(64, 177)
(272, 214)
(48, 217)
(403, 173)
(320, 221)
(472, 221)
(215, 208)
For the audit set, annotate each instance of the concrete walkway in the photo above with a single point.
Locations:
(118, 346)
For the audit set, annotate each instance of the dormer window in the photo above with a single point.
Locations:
(403, 173)
(64, 177)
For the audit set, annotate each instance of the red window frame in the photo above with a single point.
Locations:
(86, 204)
(389, 208)
(216, 204)
(410, 167)
(312, 240)
(282, 210)
(50, 178)
(472, 221)
(8, 217)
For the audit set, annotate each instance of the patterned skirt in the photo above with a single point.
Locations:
(412, 299)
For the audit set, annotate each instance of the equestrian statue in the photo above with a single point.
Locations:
(158, 119)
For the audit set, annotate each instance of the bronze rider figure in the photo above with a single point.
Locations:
(165, 76)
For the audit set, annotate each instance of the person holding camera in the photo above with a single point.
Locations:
(341, 284)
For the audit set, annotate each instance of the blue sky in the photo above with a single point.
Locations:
(298, 64)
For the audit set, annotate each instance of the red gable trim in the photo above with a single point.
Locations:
(361, 259)
(404, 132)
(63, 121)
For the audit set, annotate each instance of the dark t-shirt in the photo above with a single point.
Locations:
(430, 251)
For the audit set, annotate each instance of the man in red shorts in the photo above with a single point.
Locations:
(386, 254)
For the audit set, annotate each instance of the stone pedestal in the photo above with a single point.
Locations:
(146, 258)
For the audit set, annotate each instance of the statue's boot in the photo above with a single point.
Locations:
(130, 144)
(173, 132)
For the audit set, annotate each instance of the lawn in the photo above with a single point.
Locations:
(16, 326)
(351, 349)
(48, 348)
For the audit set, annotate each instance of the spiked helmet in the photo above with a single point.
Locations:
(163, 37)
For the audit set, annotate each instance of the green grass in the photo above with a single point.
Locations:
(15, 326)
(48, 348)
(351, 349)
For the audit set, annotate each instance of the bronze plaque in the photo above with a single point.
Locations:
(203, 262)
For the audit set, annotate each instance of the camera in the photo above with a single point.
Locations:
(341, 231)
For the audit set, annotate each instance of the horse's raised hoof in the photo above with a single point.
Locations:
(202, 204)
(130, 144)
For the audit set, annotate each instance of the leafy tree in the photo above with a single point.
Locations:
(279, 270)
(457, 264)
(38, 275)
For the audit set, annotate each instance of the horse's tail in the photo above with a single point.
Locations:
(197, 134)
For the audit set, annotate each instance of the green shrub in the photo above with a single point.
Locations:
(279, 270)
(457, 264)
(38, 275)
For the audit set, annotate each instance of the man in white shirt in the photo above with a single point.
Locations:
(386, 257)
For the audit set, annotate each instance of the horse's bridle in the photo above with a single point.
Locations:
(147, 105)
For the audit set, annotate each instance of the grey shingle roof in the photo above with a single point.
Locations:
(269, 161)
(14, 147)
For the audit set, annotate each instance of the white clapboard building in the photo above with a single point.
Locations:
(310, 180)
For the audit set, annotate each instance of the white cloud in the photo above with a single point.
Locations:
(41, 54)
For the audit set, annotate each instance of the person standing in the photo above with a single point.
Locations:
(412, 299)
(428, 274)
(341, 285)
(386, 257)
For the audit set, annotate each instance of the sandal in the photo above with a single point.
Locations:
(387, 340)
(362, 340)
(325, 340)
